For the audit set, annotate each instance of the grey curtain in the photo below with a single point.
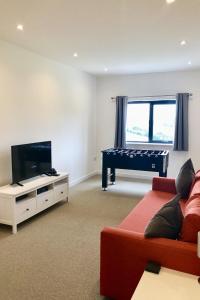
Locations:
(120, 121)
(181, 124)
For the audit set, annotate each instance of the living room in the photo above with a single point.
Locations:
(62, 65)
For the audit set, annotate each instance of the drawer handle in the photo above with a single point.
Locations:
(27, 209)
(46, 200)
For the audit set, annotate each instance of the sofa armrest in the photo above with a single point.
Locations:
(174, 254)
(164, 184)
(124, 255)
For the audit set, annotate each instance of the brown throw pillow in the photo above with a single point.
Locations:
(167, 221)
(185, 179)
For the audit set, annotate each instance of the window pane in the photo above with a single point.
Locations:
(137, 126)
(164, 122)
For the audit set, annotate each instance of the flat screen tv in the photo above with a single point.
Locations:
(30, 160)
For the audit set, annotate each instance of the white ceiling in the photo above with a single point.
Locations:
(126, 36)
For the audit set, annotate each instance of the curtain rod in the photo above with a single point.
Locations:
(154, 96)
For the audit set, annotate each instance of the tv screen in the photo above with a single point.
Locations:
(30, 160)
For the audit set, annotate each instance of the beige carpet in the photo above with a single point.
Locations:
(55, 255)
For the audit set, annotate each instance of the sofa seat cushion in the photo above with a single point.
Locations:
(140, 216)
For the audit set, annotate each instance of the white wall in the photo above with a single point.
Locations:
(43, 100)
(149, 84)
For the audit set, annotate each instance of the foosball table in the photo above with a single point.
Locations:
(132, 159)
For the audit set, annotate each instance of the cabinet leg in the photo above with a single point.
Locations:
(14, 229)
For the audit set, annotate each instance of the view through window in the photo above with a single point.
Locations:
(151, 121)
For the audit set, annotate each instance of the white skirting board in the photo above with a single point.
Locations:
(120, 174)
(83, 178)
(141, 176)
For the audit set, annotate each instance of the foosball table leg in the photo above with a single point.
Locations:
(112, 175)
(163, 174)
(104, 178)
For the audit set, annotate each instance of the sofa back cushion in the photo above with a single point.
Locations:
(195, 188)
(197, 174)
(191, 221)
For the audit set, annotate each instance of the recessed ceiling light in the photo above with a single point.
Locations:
(20, 27)
(106, 69)
(170, 1)
(189, 62)
(75, 54)
(183, 43)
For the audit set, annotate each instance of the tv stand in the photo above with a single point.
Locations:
(19, 203)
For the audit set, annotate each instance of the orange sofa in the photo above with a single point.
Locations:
(125, 251)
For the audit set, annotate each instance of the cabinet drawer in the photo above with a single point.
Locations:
(25, 209)
(60, 192)
(44, 200)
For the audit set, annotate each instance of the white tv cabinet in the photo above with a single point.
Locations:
(19, 203)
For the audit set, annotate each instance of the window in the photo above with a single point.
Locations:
(151, 121)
